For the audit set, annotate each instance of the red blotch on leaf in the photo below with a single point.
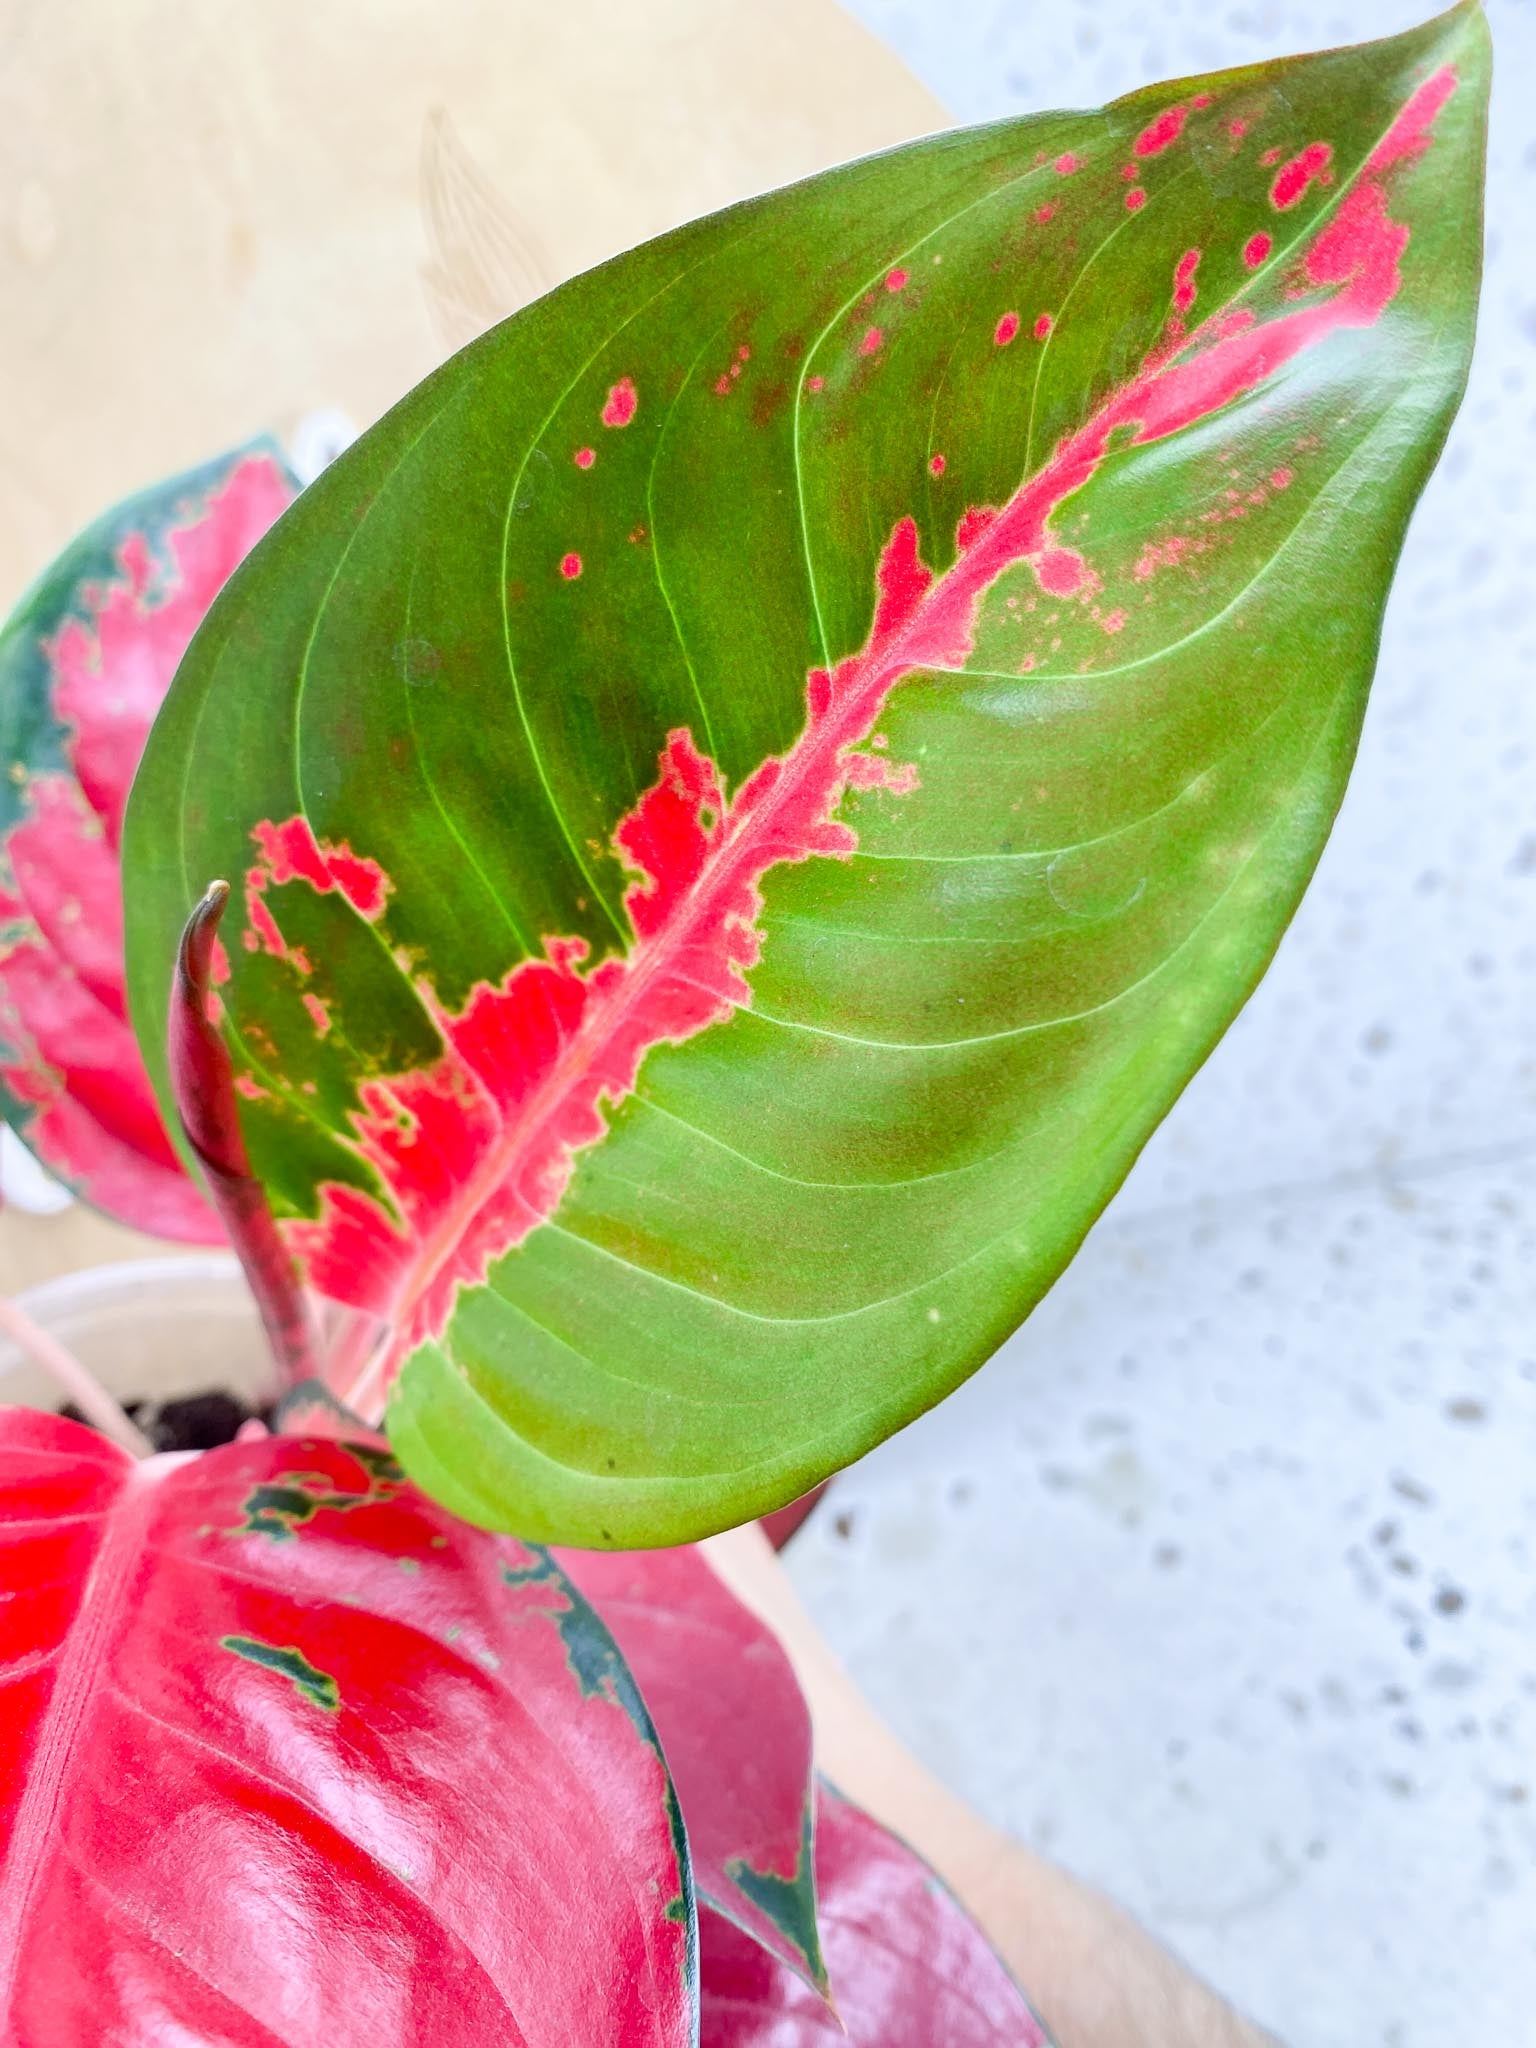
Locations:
(872, 342)
(570, 566)
(622, 403)
(1256, 250)
(1043, 326)
(1060, 572)
(974, 522)
(291, 853)
(584, 457)
(895, 280)
(1158, 134)
(1184, 280)
(1292, 180)
(1005, 330)
(1135, 199)
(1410, 133)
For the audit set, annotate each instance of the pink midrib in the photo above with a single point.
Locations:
(861, 686)
(100, 1606)
(864, 686)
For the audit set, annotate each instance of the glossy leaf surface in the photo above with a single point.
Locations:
(759, 783)
(736, 1732)
(909, 1968)
(84, 663)
(289, 1756)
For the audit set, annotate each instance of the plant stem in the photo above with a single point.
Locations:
(350, 1367)
(75, 1380)
(202, 1074)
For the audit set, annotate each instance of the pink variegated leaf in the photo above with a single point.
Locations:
(908, 1966)
(737, 1735)
(755, 787)
(85, 662)
(289, 1755)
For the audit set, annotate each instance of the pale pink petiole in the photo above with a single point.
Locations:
(74, 1380)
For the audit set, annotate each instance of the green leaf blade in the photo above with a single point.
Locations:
(682, 1199)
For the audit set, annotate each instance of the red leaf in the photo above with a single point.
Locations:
(736, 1732)
(290, 1755)
(785, 1522)
(84, 665)
(909, 1968)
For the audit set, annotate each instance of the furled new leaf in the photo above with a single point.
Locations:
(84, 663)
(909, 1968)
(289, 1755)
(736, 1732)
(761, 780)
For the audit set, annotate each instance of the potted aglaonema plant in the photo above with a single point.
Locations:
(736, 809)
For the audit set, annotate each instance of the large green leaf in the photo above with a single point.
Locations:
(1026, 501)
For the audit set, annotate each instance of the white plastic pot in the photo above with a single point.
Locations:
(151, 1328)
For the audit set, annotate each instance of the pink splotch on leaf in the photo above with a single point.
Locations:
(1158, 134)
(570, 566)
(66, 1047)
(973, 523)
(1135, 199)
(1184, 280)
(872, 342)
(1256, 250)
(474, 1151)
(1060, 572)
(291, 853)
(1043, 326)
(1292, 179)
(621, 404)
(1410, 134)
(895, 280)
(1066, 164)
(1162, 554)
(1005, 329)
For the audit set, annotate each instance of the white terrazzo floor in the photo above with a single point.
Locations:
(1220, 1582)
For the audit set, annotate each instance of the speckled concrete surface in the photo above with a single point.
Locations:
(1220, 1583)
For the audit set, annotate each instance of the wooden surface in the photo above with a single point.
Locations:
(215, 219)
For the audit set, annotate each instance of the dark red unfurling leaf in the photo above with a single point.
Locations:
(783, 1523)
(203, 1077)
(289, 1755)
(84, 664)
(737, 1735)
(908, 1966)
(758, 784)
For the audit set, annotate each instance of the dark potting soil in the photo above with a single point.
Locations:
(195, 1422)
